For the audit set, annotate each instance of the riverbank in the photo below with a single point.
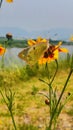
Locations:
(26, 82)
(28, 86)
(11, 56)
(29, 99)
(21, 43)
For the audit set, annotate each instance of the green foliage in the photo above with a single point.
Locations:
(15, 74)
(27, 127)
(8, 77)
(34, 90)
(70, 111)
(8, 98)
(55, 104)
(13, 42)
(65, 63)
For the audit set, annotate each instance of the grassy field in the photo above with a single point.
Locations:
(29, 109)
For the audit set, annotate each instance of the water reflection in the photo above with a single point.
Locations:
(11, 56)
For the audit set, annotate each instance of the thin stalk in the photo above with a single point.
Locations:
(53, 114)
(55, 72)
(9, 106)
(50, 98)
(2, 66)
(50, 88)
(50, 91)
(13, 119)
(3, 98)
(46, 68)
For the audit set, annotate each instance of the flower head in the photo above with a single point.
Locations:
(47, 102)
(71, 38)
(9, 36)
(9, 1)
(2, 50)
(37, 41)
(52, 53)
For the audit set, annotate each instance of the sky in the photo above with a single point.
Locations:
(33, 15)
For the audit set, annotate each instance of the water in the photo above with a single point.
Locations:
(11, 55)
(69, 47)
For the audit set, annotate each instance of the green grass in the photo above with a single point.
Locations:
(30, 110)
(70, 111)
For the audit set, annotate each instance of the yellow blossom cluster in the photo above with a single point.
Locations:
(51, 53)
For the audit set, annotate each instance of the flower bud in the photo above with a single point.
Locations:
(47, 102)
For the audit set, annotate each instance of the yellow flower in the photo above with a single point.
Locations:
(52, 53)
(31, 42)
(9, 1)
(71, 38)
(38, 40)
(2, 50)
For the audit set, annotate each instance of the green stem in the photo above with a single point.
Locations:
(50, 88)
(2, 66)
(47, 70)
(13, 119)
(9, 108)
(50, 98)
(3, 98)
(54, 112)
(55, 72)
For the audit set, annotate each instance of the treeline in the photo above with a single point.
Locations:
(63, 42)
(20, 43)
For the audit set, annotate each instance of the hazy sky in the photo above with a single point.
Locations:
(37, 14)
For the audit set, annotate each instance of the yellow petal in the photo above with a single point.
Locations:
(71, 39)
(59, 44)
(42, 60)
(63, 50)
(49, 59)
(56, 54)
(38, 39)
(31, 42)
(44, 40)
(2, 51)
(9, 1)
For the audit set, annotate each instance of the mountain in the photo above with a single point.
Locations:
(55, 33)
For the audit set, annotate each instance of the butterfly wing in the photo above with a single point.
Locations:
(35, 52)
(32, 54)
(23, 54)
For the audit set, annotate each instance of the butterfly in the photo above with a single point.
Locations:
(31, 54)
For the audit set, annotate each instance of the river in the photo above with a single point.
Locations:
(11, 55)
